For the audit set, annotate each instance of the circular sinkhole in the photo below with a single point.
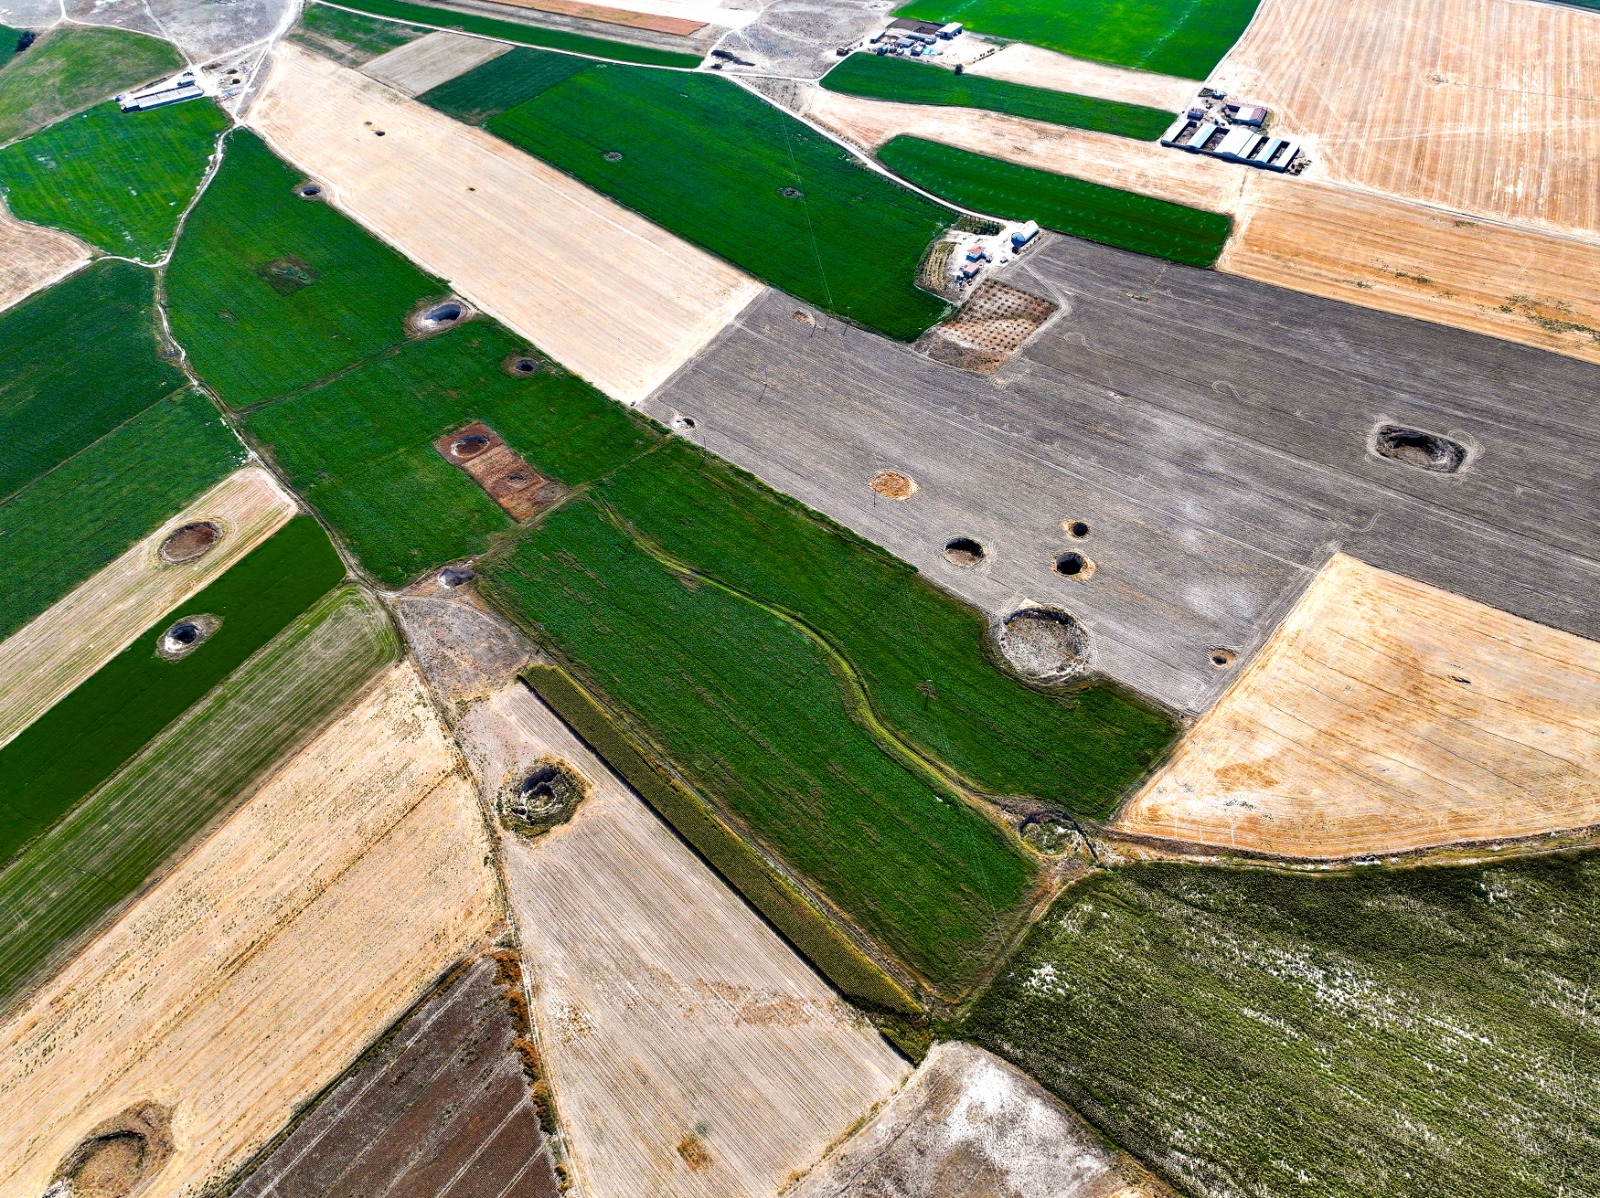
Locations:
(118, 1157)
(963, 551)
(1416, 447)
(456, 576)
(684, 424)
(546, 795)
(1077, 529)
(791, 193)
(309, 191)
(612, 155)
(189, 542)
(892, 484)
(1074, 565)
(469, 446)
(1044, 643)
(1221, 659)
(184, 636)
(438, 315)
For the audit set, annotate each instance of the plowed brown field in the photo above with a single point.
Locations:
(1384, 716)
(32, 257)
(263, 964)
(63, 646)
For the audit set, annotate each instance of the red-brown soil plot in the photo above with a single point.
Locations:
(516, 486)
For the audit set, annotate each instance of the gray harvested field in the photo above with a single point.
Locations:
(797, 39)
(433, 59)
(441, 1106)
(1213, 433)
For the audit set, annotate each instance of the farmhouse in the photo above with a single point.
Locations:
(159, 95)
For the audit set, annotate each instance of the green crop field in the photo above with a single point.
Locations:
(58, 531)
(87, 864)
(526, 35)
(269, 292)
(1424, 1032)
(72, 67)
(9, 40)
(119, 180)
(879, 77)
(348, 37)
(75, 362)
(1090, 210)
(360, 449)
(88, 735)
(502, 83)
(1171, 37)
(728, 171)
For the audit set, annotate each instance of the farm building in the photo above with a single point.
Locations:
(168, 91)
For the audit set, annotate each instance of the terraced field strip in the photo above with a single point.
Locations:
(71, 67)
(33, 257)
(260, 967)
(628, 305)
(690, 1050)
(1386, 715)
(88, 864)
(119, 180)
(730, 172)
(1194, 180)
(91, 337)
(1481, 107)
(1105, 214)
(1501, 280)
(876, 77)
(1372, 1033)
(86, 736)
(523, 35)
(1034, 66)
(63, 646)
(59, 530)
(1171, 37)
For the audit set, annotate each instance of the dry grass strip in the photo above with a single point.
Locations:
(604, 13)
(690, 1051)
(1033, 66)
(608, 294)
(32, 257)
(265, 962)
(430, 60)
(63, 646)
(1386, 715)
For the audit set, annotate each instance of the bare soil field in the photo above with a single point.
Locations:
(605, 292)
(1033, 66)
(442, 1105)
(690, 1050)
(264, 963)
(1144, 167)
(32, 257)
(1384, 716)
(67, 643)
(432, 59)
(967, 1124)
(1489, 107)
(520, 490)
(465, 650)
(605, 14)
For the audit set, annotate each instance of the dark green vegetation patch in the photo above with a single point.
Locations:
(69, 879)
(1076, 206)
(879, 77)
(85, 737)
(502, 83)
(240, 290)
(1171, 37)
(58, 531)
(741, 866)
(72, 67)
(75, 362)
(348, 37)
(11, 41)
(526, 35)
(724, 169)
(119, 180)
(1421, 1032)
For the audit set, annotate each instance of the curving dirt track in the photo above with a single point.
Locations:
(1385, 716)
(63, 646)
(263, 964)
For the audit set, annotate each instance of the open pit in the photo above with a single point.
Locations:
(1044, 644)
(434, 316)
(186, 635)
(891, 484)
(1413, 447)
(963, 551)
(1074, 565)
(309, 190)
(526, 365)
(545, 796)
(117, 1157)
(190, 542)
(520, 490)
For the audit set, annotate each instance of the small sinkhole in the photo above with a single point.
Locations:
(963, 551)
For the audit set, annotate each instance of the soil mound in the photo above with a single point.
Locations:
(1044, 644)
(891, 484)
(189, 542)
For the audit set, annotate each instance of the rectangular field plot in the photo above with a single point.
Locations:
(1076, 206)
(1404, 1034)
(502, 83)
(119, 180)
(85, 737)
(881, 78)
(73, 66)
(350, 38)
(270, 291)
(730, 172)
(75, 520)
(76, 361)
(64, 883)
(1173, 37)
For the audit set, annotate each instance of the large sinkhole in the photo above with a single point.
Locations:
(1414, 447)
